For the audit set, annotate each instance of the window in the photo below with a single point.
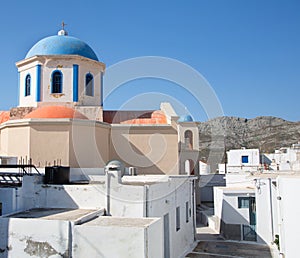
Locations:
(56, 82)
(243, 202)
(245, 159)
(187, 212)
(89, 85)
(27, 85)
(188, 138)
(177, 218)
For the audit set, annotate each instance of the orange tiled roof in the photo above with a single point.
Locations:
(55, 112)
(157, 117)
(4, 116)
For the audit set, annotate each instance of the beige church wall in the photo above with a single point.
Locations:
(183, 127)
(49, 143)
(152, 149)
(192, 157)
(89, 144)
(15, 140)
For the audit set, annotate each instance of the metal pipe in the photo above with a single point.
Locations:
(271, 208)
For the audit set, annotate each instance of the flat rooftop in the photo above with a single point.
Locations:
(75, 215)
(107, 221)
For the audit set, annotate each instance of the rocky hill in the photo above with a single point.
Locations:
(264, 133)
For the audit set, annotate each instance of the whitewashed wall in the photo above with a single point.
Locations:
(267, 212)
(118, 238)
(11, 199)
(164, 199)
(289, 214)
(37, 238)
(235, 157)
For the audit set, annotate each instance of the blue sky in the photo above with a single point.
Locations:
(248, 50)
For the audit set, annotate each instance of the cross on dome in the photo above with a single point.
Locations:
(63, 32)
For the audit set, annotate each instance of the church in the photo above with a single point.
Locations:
(60, 118)
(103, 210)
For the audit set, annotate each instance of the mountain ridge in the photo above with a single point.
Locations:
(266, 133)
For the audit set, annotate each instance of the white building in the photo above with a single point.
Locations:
(260, 207)
(235, 211)
(241, 160)
(112, 215)
(284, 159)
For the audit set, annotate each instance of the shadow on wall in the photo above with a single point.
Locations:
(4, 248)
(234, 226)
(147, 159)
(265, 160)
(34, 194)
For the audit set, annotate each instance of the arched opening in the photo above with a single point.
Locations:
(27, 84)
(189, 167)
(89, 85)
(188, 139)
(56, 82)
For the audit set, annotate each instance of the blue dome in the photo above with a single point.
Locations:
(62, 45)
(185, 118)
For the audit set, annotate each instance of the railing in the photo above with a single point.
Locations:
(15, 178)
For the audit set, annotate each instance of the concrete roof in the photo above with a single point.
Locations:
(75, 215)
(274, 174)
(107, 221)
(237, 188)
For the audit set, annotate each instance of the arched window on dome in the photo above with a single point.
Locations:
(57, 81)
(27, 85)
(89, 84)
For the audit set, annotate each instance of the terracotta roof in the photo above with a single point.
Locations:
(119, 116)
(55, 112)
(157, 117)
(4, 116)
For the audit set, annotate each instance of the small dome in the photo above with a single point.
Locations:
(62, 45)
(185, 118)
(55, 112)
(116, 165)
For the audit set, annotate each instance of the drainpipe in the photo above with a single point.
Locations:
(107, 191)
(193, 202)
(271, 208)
(147, 201)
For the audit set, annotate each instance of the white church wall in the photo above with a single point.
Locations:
(95, 100)
(66, 68)
(30, 100)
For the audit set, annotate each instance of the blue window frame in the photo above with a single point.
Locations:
(57, 82)
(89, 84)
(27, 84)
(245, 159)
